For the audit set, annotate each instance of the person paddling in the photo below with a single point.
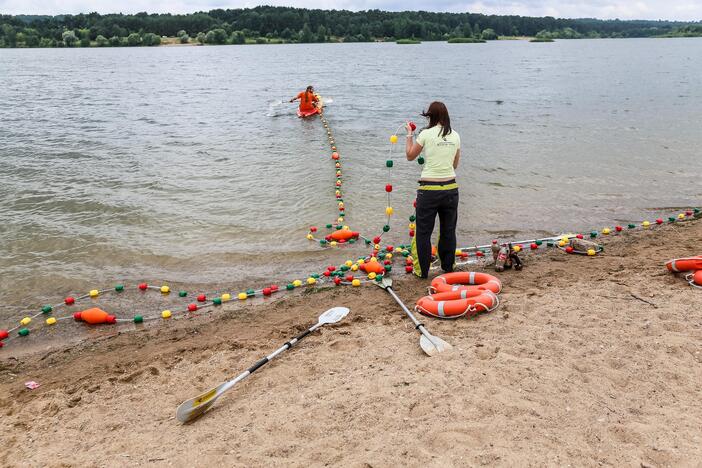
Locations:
(308, 100)
(438, 190)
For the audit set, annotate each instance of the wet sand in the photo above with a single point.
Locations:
(589, 361)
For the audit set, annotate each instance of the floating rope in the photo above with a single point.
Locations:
(375, 265)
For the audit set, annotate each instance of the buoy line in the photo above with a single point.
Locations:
(376, 265)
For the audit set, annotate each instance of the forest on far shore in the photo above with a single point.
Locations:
(299, 25)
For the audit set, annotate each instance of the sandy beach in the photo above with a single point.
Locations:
(588, 362)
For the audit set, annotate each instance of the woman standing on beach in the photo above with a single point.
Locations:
(438, 190)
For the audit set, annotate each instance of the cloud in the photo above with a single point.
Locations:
(685, 10)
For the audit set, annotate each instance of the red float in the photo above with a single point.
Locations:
(388, 188)
(201, 298)
(579, 236)
(69, 300)
(313, 229)
(337, 281)
(618, 228)
(192, 307)
(408, 269)
(3, 334)
(143, 286)
(534, 246)
(659, 221)
(267, 291)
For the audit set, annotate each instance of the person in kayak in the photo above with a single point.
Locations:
(308, 100)
(438, 190)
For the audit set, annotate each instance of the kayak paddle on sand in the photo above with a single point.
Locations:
(195, 407)
(429, 343)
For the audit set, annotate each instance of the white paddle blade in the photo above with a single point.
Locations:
(333, 315)
(195, 407)
(385, 283)
(434, 345)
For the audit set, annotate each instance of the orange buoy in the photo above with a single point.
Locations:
(678, 265)
(344, 234)
(94, 316)
(696, 279)
(476, 301)
(468, 280)
(372, 267)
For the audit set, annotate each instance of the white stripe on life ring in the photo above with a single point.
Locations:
(672, 267)
(471, 278)
(440, 309)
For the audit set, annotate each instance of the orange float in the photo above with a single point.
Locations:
(372, 267)
(94, 316)
(678, 265)
(457, 303)
(344, 235)
(695, 279)
(465, 280)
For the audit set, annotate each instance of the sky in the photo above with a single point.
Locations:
(684, 10)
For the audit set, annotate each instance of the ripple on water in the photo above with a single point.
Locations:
(161, 164)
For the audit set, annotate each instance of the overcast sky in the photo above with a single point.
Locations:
(687, 10)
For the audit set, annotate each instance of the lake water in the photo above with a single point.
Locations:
(167, 164)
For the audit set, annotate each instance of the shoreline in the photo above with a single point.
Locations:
(592, 359)
(173, 42)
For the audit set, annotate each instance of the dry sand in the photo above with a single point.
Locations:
(589, 361)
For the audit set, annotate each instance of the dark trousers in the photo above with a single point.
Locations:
(429, 204)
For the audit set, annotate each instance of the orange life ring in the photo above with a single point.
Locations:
(477, 301)
(344, 234)
(457, 281)
(678, 265)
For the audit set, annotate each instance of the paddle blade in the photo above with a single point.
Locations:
(385, 283)
(333, 315)
(434, 345)
(195, 407)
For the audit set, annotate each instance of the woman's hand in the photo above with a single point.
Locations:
(409, 128)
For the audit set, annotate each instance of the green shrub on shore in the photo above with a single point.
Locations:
(69, 38)
(541, 39)
(183, 37)
(408, 41)
(133, 40)
(151, 39)
(465, 40)
(101, 41)
(216, 36)
(115, 41)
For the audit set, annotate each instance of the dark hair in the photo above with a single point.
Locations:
(309, 88)
(438, 115)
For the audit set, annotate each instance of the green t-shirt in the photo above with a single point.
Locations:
(439, 152)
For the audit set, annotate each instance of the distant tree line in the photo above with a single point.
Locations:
(283, 24)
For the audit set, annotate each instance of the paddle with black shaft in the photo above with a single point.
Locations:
(195, 407)
(429, 343)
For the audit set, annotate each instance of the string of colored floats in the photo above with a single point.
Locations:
(375, 265)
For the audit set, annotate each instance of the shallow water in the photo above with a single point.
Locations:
(167, 164)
